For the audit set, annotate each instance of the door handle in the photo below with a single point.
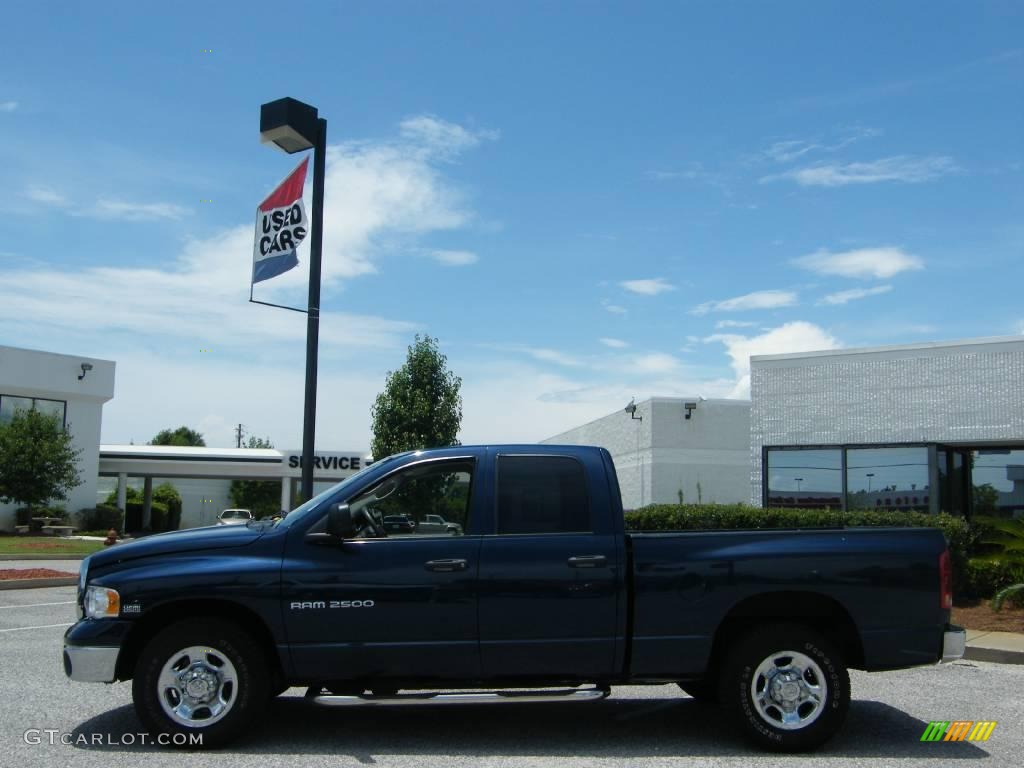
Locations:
(446, 566)
(588, 561)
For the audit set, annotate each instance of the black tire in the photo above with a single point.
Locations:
(235, 706)
(816, 718)
(704, 691)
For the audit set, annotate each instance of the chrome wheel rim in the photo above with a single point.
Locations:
(197, 686)
(789, 690)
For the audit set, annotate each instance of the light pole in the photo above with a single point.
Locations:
(798, 481)
(294, 127)
(870, 475)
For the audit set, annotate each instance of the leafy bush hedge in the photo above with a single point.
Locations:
(986, 577)
(168, 495)
(166, 509)
(102, 517)
(157, 518)
(963, 539)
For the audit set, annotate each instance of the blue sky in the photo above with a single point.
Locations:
(585, 202)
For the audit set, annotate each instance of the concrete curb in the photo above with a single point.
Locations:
(998, 655)
(69, 581)
(8, 558)
(998, 647)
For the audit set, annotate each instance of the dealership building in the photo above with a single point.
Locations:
(927, 427)
(72, 388)
(668, 449)
(203, 476)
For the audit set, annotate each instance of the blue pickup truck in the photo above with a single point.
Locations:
(536, 593)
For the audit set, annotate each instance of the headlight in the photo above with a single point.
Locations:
(102, 602)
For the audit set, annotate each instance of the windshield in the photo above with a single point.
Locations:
(301, 511)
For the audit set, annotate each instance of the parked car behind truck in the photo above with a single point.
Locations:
(544, 589)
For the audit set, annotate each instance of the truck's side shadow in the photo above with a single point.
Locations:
(614, 728)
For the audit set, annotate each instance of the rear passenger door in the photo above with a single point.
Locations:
(548, 573)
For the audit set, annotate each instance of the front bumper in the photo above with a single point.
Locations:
(92, 647)
(90, 664)
(954, 643)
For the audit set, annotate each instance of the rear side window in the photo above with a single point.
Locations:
(542, 494)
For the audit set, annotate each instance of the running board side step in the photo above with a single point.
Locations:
(464, 697)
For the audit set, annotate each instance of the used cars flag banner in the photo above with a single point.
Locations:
(281, 224)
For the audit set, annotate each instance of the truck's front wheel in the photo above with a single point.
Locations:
(786, 686)
(200, 682)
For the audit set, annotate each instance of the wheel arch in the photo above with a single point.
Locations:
(823, 613)
(150, 623)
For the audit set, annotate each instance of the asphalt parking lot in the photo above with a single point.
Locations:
(648, 726)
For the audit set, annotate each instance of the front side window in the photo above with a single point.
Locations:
(430, 499)
(542, 494)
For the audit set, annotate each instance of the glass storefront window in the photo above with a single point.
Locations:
(805, 478)
(997, 476)
(887, 478)
(11, 403)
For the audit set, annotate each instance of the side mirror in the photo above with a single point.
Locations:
(339, 521)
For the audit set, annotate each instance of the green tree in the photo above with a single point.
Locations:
(179, 436)
(38, 460)
(420, 406)
(261, 497)
(986, 499)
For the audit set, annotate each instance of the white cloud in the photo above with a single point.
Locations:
(735, 324)
(431, 135)
(119, 209)
(8, 106)
(454, 258)
(902, 168)
(785, 151)
(879, 263)
(649, 287)
(40, 193)
(551, 356)
(375, 191)
(655, 362)
(798, 336)
(614, 343)
(750, 301)
(615, 309)
(843, 297)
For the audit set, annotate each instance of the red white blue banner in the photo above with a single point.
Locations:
(281, 224)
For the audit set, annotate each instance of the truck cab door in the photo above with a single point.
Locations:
(399, 606)
(550, 576)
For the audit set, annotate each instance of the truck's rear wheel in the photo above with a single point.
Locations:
(200, 682)
(786, 686)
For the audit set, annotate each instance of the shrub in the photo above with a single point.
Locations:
(102, 517)
(986, 577)
(157, 518)
(131, 494)
(168, 495)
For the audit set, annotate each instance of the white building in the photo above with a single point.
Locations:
(202, 476)
(673, 448)
(930, 427)
(74, 388)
